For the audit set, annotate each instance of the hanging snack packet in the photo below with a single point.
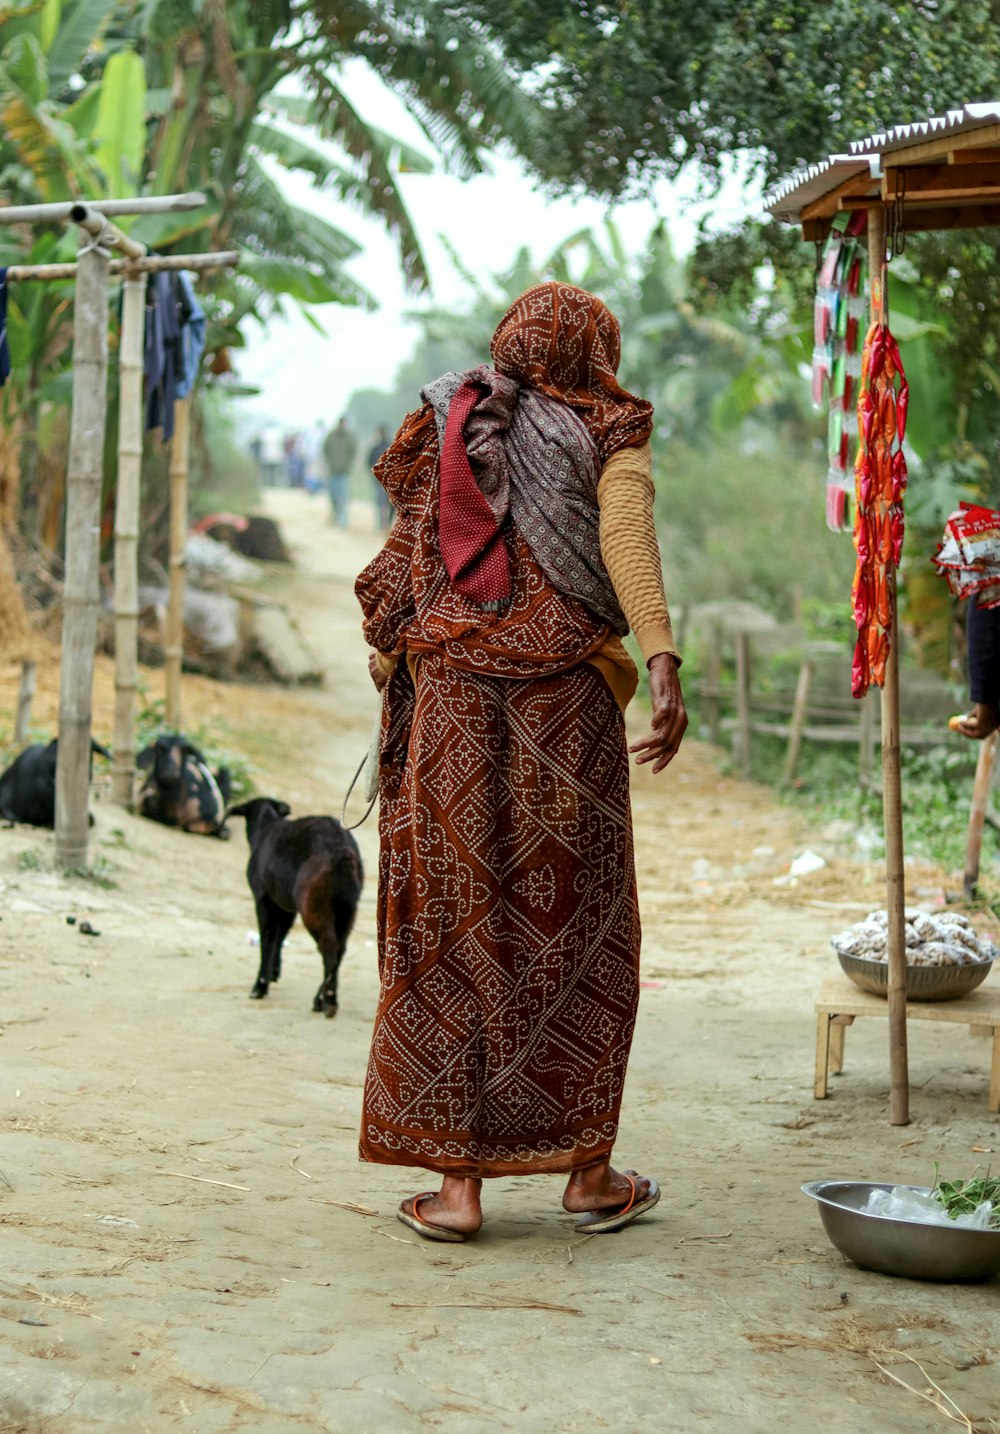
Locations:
(978, 534)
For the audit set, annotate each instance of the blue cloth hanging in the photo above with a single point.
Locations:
(163, 356)
(4, 348)
(192, 336)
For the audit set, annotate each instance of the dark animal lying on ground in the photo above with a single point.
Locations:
(180, 790)
(28, 787)
(310, 866)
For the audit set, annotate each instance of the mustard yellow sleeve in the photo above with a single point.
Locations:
(630, 548)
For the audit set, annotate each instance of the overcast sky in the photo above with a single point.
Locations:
(304, 376)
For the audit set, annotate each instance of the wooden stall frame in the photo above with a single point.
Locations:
(952, 159)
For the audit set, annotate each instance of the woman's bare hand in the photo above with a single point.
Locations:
(378, 674)
(670, 720)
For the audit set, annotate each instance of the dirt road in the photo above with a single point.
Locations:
(190, 1243)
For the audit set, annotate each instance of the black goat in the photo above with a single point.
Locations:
(28, 787)
(181, 790)
(310, 866)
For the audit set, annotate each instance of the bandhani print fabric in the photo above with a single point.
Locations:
(507, 915)
(509, 947)
(564, 342)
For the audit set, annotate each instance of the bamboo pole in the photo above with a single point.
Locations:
(130, 366)
(892, 792)
(83, 517)
(866, 740)
(152, 264)
(743, 701)
(62, 210)
(977, 813)
(798, 722)
(25, 697)
(179, 448)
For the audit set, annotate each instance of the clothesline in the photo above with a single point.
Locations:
(151, 264)
(67, 208)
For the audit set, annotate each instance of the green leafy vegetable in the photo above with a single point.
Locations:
(963, 1197)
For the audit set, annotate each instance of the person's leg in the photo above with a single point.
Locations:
(456, 1206)
(600, 1187)
(983, 635)
(340, 494)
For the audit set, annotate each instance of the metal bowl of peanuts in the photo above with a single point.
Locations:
(945, 958)
(923, 983)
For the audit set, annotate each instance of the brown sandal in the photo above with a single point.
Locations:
(602, 1222)
(416, 1221)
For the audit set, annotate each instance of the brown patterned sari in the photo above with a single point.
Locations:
(507, 918)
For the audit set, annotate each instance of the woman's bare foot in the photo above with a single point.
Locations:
(599, 1187)
(456, 1206)
(980, 722)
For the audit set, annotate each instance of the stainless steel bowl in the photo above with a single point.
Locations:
(923, 983)
(901, 1247)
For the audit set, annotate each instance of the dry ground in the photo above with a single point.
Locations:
(190, 1243)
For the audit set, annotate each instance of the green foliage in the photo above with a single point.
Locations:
(964, 1197)
(79, 27)
(935, 785)
(120, 126)
(30, 859)
(223, 477)
(633, 91)
(100, 872)
(741, 517)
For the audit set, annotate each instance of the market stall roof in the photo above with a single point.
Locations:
(945, 169)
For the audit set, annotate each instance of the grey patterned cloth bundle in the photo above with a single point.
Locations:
(533, 457)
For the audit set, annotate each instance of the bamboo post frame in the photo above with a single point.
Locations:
(91, 271)
(130, 367)
(892, 794)
(83, 519)
(179, 453)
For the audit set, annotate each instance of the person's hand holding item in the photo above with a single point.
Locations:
(670, 719)
(979, 723)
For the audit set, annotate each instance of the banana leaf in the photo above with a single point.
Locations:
(83, 22)
(120, 130)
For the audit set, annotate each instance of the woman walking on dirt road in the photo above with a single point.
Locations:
(523, 550)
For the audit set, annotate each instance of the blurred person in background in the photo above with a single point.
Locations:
(312, 446)
(339, 450)
(272, 456)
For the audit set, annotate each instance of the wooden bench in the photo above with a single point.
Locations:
(840, 1003)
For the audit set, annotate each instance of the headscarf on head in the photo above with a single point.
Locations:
(567, 343)
(525, 440)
